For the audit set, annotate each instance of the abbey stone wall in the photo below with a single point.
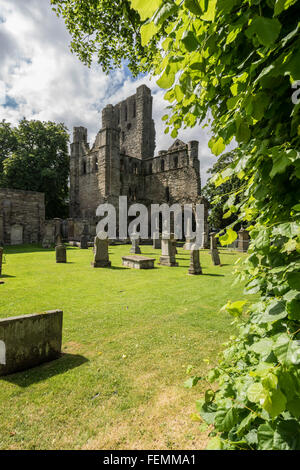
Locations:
(122, 162)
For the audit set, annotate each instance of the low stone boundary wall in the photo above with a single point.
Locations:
(29, 340)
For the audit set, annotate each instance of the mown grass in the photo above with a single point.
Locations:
(128, 338)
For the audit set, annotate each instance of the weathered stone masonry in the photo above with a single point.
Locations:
(122, 162)
(22, 216)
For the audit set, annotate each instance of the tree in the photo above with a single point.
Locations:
(103, 30)
(220, 214)
(35, 157)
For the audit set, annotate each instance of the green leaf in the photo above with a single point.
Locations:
(229, 237)
(145, 8)
(281, 5)
(264, 346)
(166, 10)
(274, 403)
(234, 308)
(148, 30)
(193, 6)
(256, 393)
(287, 435)
(266, 29)
(287, 350)
(218, 146)
(265, 436)
(211, 11)
(225, 419)
(166, 80)
(189, 41)
(191, 382)
(294, 407)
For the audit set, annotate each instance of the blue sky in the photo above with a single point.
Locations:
(41, 79)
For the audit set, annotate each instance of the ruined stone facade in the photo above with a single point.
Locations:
(22, 216)
(121, 162)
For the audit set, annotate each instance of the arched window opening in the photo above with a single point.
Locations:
(150, 169)
(125, 113)
(84, 167)
(96, 165)
(162, 165)
(175, 161)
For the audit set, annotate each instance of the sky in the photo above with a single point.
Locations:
(41, 79)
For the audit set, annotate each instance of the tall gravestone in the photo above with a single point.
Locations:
(243, 240)
(168, 251)
(60, 250)
(84, 239)
(214, 250)
(195, 267)
(135, 244)
(101, 256)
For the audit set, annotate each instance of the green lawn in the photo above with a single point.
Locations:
(128, 338)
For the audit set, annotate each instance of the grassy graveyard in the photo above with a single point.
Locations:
(128, 337)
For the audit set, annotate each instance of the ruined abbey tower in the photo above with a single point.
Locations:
(121, 162)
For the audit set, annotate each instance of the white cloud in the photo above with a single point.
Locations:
(45, 81)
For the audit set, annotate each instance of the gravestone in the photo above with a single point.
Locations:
(168, 257)
(157, 241)
(214, 250)
(138, 262)
(195, 267)
(16, 235)
(48, 238)
(60, 251)
(101, 256)
(135, 245)
(84, 239)
(243, 240)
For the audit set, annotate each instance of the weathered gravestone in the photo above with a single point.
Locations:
(168, 251)
(61, 253)
(243, 240)
(138, 262)
(195, 267)
(157, 243)
(16, 234)
(135, 244)
(29, 340)
(101, 256)
(214, 250)
(84, 239)
(48, 237)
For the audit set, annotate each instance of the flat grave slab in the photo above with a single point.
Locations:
(138, 262)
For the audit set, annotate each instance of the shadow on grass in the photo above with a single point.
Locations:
(45, 371)
(5, 276)
(17, 249)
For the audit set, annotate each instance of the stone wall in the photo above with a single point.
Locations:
(22, 216)
(29, 340)
(121, 162)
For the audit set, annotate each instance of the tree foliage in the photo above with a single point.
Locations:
(34, 157)
(106, 31)
(236, 61)
(221, 213)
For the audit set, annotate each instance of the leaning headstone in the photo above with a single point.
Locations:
(48, 238)
(101, 256)
(195, 267)
(168, 257)
(60, 251)
(214, 250)
(135, 245)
